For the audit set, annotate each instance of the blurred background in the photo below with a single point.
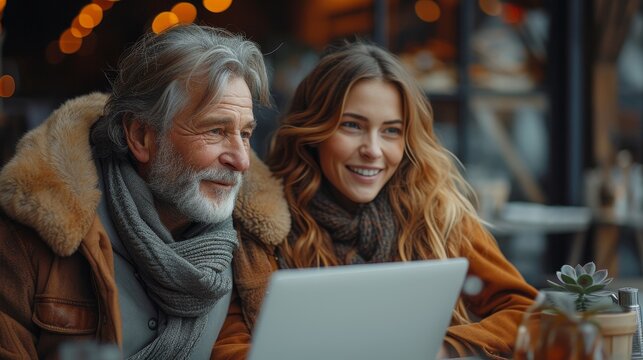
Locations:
(541, 100)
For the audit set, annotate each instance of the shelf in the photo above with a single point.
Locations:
(509, 101)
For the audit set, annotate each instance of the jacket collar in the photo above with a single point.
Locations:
(51, 184)
(261, 207)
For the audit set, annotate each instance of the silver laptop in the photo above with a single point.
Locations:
(375, 311)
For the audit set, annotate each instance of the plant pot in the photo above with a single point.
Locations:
(617, 330)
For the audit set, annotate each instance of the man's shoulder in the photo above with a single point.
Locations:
(9, 227)
(51, 184)
(19, 237)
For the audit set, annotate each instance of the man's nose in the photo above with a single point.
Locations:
(235, 154)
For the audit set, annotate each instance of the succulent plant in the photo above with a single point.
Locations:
(582, 280)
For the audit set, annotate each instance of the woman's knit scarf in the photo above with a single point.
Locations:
(367, 236)
(184, 278)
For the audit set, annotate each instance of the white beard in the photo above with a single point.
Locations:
(173, 182)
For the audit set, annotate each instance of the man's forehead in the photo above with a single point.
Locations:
(226, 103)
(228, 109)
(231, 99)
(235, 89)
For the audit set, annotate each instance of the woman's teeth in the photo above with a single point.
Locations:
(365, 172)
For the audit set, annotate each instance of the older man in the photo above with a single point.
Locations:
(116, 212)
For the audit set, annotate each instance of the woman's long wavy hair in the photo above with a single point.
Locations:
(429, 197)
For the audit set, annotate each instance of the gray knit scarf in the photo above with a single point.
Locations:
(184, 278)
(369, 235)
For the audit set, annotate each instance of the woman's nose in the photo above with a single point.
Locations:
(371, 148)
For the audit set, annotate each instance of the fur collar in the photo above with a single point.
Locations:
(51, 184)
(261, 206)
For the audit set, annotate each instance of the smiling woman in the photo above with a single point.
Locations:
(365, 151)
(367, 181)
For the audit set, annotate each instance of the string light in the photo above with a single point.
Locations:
(68, 43)
(71, 39)
(163, 21)
(90, 16)
(185, 11)
(491, 7)
(7, 86)
(104, 4)
(513, 14)
(3, 4)
(181, 13)
(217, 6)
(427, 10)
(79, 30)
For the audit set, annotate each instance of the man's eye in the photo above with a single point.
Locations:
(218, 132)
(246, 134)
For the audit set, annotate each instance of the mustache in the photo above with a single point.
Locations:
(222, 175)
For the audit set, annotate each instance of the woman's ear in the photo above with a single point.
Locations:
(141, 139)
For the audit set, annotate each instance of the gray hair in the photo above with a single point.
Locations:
(155, 76)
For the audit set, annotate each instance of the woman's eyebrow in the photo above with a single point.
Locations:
(355, 116)
(364, 118)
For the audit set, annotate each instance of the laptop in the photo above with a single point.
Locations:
(374, 311)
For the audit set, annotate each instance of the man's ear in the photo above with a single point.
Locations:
(141, 139)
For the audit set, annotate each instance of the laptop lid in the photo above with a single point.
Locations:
(374, 311)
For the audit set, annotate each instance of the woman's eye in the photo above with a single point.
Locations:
(350, 124)
(393, 131)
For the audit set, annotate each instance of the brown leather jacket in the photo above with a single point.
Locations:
(56, 268)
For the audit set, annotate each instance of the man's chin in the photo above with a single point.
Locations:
(217, 201)
(208, 207)
(217, 209)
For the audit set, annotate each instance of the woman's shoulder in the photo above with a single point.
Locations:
(476, 237)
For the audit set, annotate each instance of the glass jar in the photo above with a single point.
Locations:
(553, 333)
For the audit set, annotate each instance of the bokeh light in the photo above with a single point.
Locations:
(86, 21)
(78, 30)
(163, 21)
(7, 86)
(472, 285)
(3, 3)
(90, 16)
(68, 43)
(513, 14)
(185, 11)
(427, 10)
(104, 4)
(491, 7)
(217, 6)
